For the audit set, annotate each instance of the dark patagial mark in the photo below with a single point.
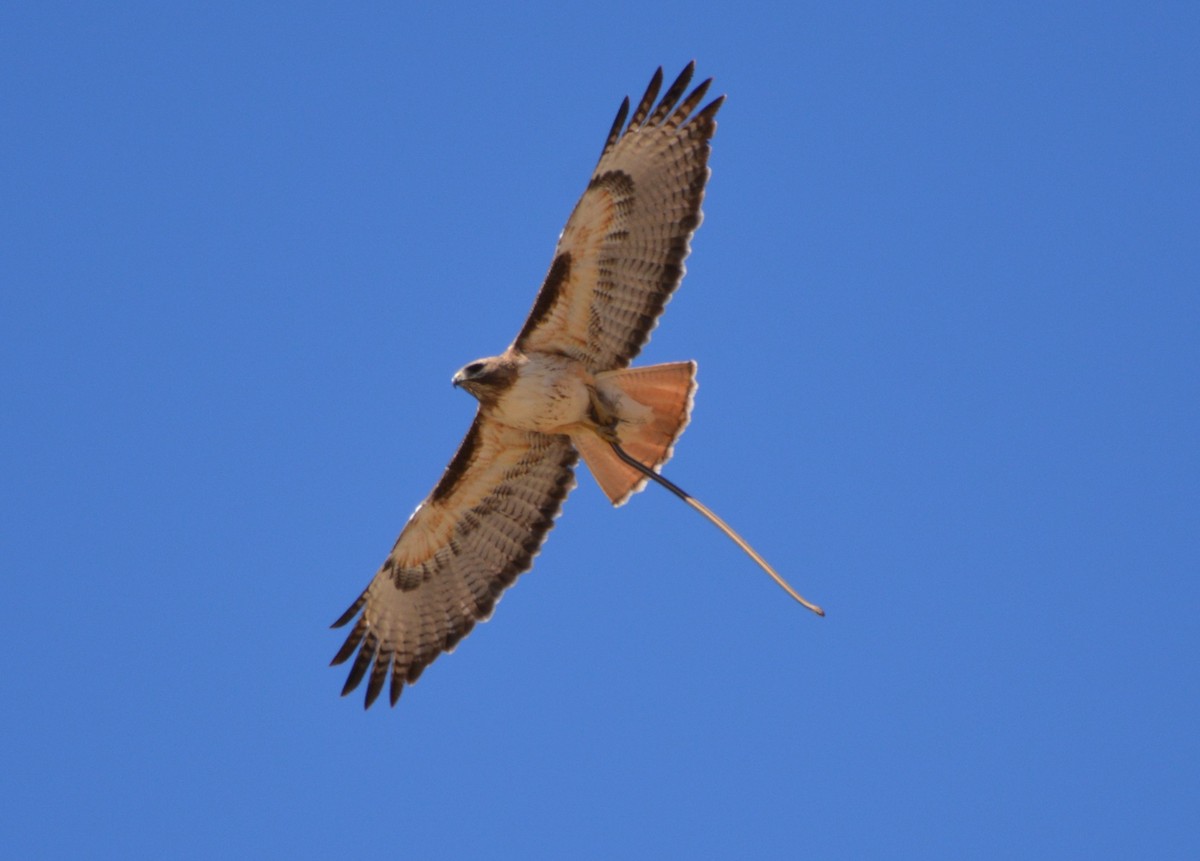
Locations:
(552, 287)
(619, 184)
(458, 466)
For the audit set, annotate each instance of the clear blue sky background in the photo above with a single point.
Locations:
(946, 305)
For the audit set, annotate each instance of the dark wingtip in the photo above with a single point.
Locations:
(619, 123)
(348, 647)
(379, 674)
(361, 664)
(708, 114)
(643, 109)
(674, 93)
(372, 693)
(351, 612)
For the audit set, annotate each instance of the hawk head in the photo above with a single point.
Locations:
(487, 378)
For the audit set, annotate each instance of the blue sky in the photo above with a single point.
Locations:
(945, 308)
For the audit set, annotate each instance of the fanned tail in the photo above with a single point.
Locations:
(663, 395)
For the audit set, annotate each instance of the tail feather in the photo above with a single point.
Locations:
(654, 404)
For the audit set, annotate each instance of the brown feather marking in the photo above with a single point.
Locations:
(619, 185)
(643, 108)
(352, 642)
(617, 126)
(397, 685)
(351, 612)
(556, 281)
(674, 92)
(458, 466)
(379, 674)
(689, 104)
(366, 655)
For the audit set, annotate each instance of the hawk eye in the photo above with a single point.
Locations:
(473, 369)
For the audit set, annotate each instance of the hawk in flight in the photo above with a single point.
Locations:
(563, 389)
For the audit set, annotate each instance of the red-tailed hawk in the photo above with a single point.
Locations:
(563, 389)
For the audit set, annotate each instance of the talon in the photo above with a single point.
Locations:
(603, 418)
(609, 434)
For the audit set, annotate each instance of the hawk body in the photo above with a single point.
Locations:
(542, 392)
(563, 388)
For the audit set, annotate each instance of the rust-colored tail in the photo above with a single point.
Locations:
(665, 391)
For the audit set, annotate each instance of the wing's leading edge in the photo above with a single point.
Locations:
(621, 254)
(463, 546)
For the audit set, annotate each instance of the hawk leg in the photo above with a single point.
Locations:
(602, 420)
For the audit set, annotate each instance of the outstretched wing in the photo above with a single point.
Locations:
(479, 528)
(621, 254)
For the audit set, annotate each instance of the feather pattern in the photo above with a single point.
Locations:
(621, 254)
(461, 548)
